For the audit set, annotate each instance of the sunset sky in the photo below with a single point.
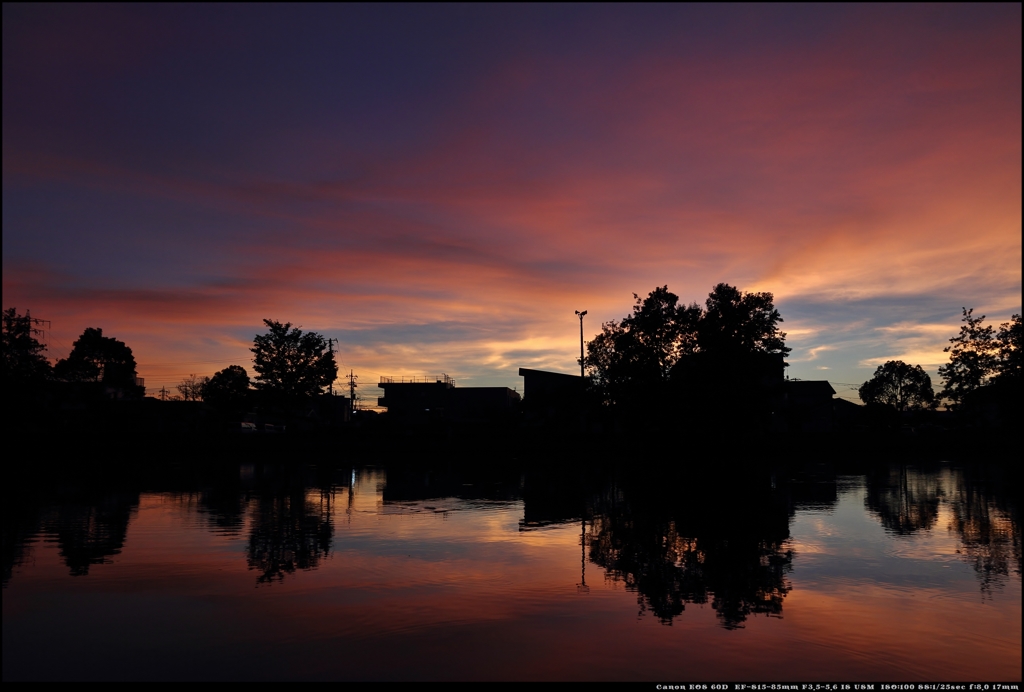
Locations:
(440, 187)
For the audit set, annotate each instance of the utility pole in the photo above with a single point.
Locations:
(580, 315)
(37, 326)
(352, 389)
(163, 393)
(330, 347)
(582, 586)
(32, 321)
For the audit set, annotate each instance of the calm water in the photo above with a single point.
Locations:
(901, 574)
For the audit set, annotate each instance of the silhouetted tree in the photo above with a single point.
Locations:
(290, 364)
(228, 388)
(631, 357)
(736, 323)
(23, 359)
(102, 359)
(901, 386)
(987, 377)
(191, 388)
(716, 357)
(733, 381)
(973, 355)
(1010, 338)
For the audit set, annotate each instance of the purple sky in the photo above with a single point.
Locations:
(439, 187)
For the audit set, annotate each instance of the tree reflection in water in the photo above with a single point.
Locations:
(990, 538)
(288, 532)
(710, 542)
(983, 513)
(20, 527)
(288, 513)
(727, 548)
(905, 500)
(91, 529)
(224, 508)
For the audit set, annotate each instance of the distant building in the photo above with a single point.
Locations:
(438, 397)
(415, 395)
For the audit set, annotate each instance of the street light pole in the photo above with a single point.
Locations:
(580, 315)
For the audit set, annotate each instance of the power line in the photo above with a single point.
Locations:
(191, 362)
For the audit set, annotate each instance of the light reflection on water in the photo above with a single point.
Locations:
(903, 573)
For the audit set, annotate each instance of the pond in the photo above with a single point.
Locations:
(898, 573)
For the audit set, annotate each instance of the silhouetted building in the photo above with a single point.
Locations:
(440, 398)
(329, 410)
(847, 414)
(729, 392)
(551, 394)
(808, 406)
(543, 385)
(471, 403)
(415, 396)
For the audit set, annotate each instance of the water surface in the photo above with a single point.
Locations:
(903, 573)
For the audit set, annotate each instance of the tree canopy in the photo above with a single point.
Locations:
(192, 387)
(901, 386)
(1010, 339)
(228, 388)
(291, 364)
(973, 357)
(103, 359)
(738, 323)
(641, 349)
(631, 360)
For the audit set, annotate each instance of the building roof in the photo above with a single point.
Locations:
(523, 372)
(810, 389)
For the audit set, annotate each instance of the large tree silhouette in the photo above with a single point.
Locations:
(973, 356)
(1010, 338)
(737, 324)
(100, 359)
(901, 386)
(228, 389)
(632, 360)
(292, 365)
(631, 357)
